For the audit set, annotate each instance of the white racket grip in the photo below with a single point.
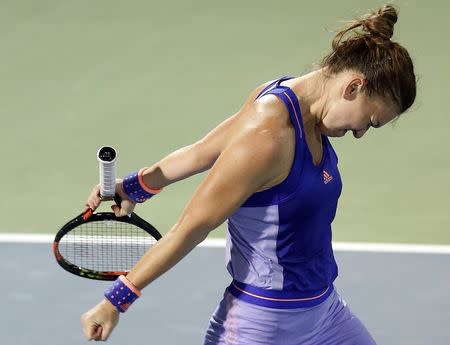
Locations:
(106, 157)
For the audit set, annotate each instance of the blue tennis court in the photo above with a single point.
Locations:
(43, 303)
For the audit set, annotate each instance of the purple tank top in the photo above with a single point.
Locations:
(279, 249)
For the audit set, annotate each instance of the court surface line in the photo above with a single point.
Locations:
(220, 243)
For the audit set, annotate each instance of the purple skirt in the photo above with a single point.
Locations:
(236, 322)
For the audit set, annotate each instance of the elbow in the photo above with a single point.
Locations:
(205, 155)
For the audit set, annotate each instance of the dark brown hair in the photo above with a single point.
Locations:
(365, 45)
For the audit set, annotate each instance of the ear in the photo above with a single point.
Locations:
(353, 87)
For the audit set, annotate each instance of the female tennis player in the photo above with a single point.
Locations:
(274, 177)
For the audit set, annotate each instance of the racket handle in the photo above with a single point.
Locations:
(106, 157)
(89, 211)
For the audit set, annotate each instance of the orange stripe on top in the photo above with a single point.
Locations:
(281, 299)
(144, 186)
(130, 285)
(295, 112)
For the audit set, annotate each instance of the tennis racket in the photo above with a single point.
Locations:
(99, 245)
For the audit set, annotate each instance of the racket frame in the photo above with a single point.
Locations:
(87, 217)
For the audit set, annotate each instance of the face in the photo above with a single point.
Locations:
(353, 111)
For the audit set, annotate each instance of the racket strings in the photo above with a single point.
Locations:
(105, 246)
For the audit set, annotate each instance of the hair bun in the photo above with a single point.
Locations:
(381, 23)
(364, 45)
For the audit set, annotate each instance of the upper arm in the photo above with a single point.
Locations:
(242, 168)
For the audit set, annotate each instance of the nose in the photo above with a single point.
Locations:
(359, 133)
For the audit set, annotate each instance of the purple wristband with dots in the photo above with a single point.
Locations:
(134, 187)
(122, 294)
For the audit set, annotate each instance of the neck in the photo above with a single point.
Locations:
(313, 101)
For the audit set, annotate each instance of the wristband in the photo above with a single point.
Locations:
(122, 294)
(135, 188)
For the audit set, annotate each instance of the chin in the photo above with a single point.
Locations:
(340, 133)
(337, 133)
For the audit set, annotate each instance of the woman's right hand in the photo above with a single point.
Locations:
(126, 206)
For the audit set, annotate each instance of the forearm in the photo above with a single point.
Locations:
(168, 251)
(176, 166)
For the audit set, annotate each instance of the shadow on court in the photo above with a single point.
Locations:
(402, 298)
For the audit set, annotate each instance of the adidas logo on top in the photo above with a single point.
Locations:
(326, 177)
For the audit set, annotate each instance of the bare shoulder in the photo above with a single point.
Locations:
(266, 113)
(266, 117)
(268, 100)
(266, 121)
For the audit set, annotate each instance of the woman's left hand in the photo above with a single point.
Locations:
(99, 322)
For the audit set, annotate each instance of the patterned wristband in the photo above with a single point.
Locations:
(135, 188)
(122, 293)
